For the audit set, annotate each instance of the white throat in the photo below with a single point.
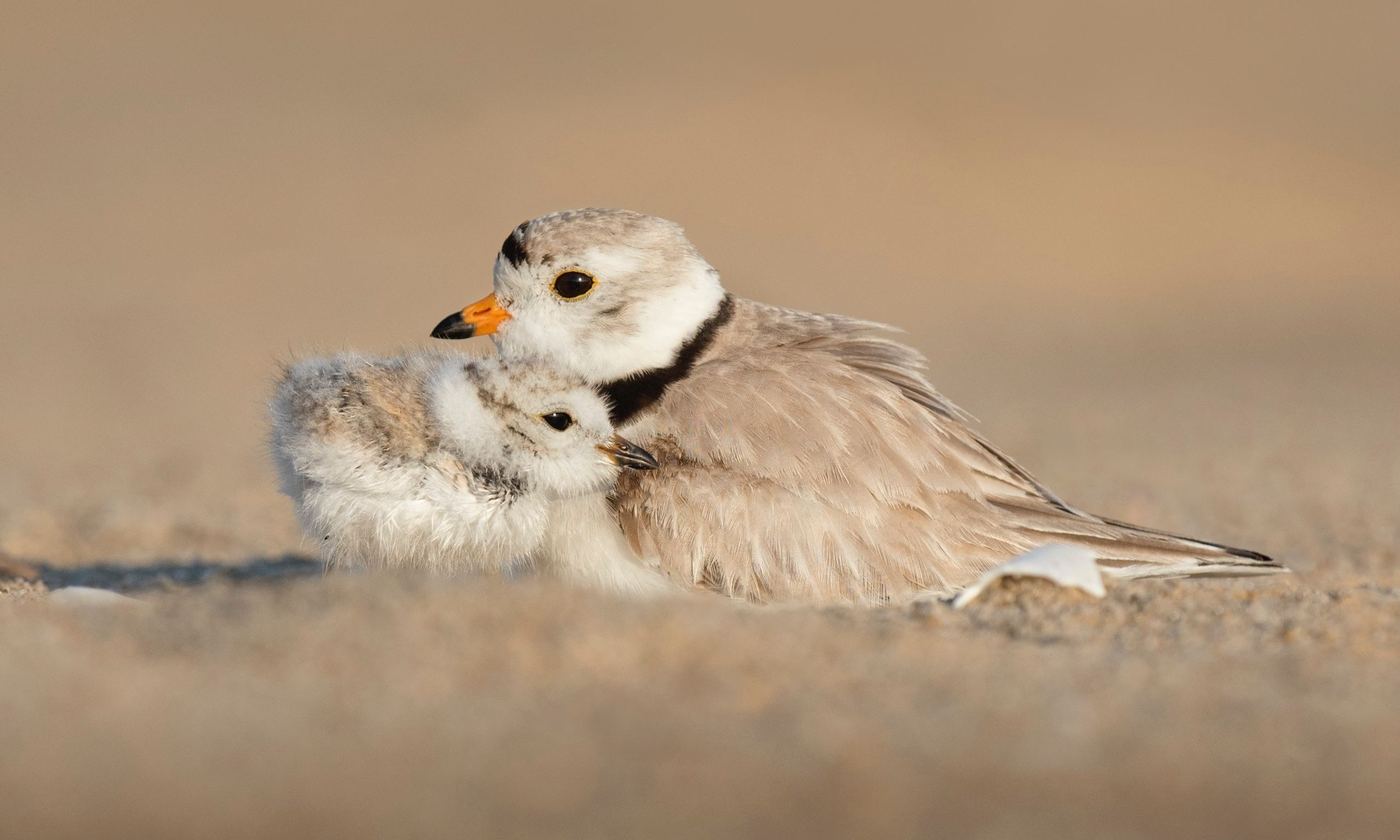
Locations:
(663, 326)
(657, 324)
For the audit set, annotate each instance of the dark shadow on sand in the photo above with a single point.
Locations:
(172, 574)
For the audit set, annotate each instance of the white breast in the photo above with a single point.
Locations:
(583, 544)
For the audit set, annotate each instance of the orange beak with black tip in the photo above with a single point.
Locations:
(481, 318)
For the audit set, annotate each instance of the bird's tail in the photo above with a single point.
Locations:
(1130, 551)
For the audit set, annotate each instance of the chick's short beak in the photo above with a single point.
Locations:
(625, 453)
(481, 318)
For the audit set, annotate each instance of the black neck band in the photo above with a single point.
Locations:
(634, 394)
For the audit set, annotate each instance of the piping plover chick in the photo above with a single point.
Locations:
(804, 457)
(438, 463)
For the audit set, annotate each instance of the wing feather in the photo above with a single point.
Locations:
(812, 460)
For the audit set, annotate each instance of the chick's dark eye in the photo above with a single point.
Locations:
(558, 420)
(573, 284)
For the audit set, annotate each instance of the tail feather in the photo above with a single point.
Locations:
(1131, 551)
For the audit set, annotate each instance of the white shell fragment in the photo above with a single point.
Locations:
(87, 596)
(1070, 566)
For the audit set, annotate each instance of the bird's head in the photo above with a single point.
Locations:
(602, 294)
(523, 424)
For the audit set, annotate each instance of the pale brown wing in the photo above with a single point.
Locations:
(791, 476)
(863, 346)
(827, 468)
(1027, 506)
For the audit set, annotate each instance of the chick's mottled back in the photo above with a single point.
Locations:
(437, 462)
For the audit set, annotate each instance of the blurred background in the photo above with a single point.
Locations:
(1155, 247)
(1090, 215)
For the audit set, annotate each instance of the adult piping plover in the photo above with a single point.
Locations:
(803, 456)
(438, 463)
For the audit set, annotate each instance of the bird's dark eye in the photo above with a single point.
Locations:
(558, 420)
(571, 285)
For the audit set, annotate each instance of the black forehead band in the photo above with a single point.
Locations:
(512, 250)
